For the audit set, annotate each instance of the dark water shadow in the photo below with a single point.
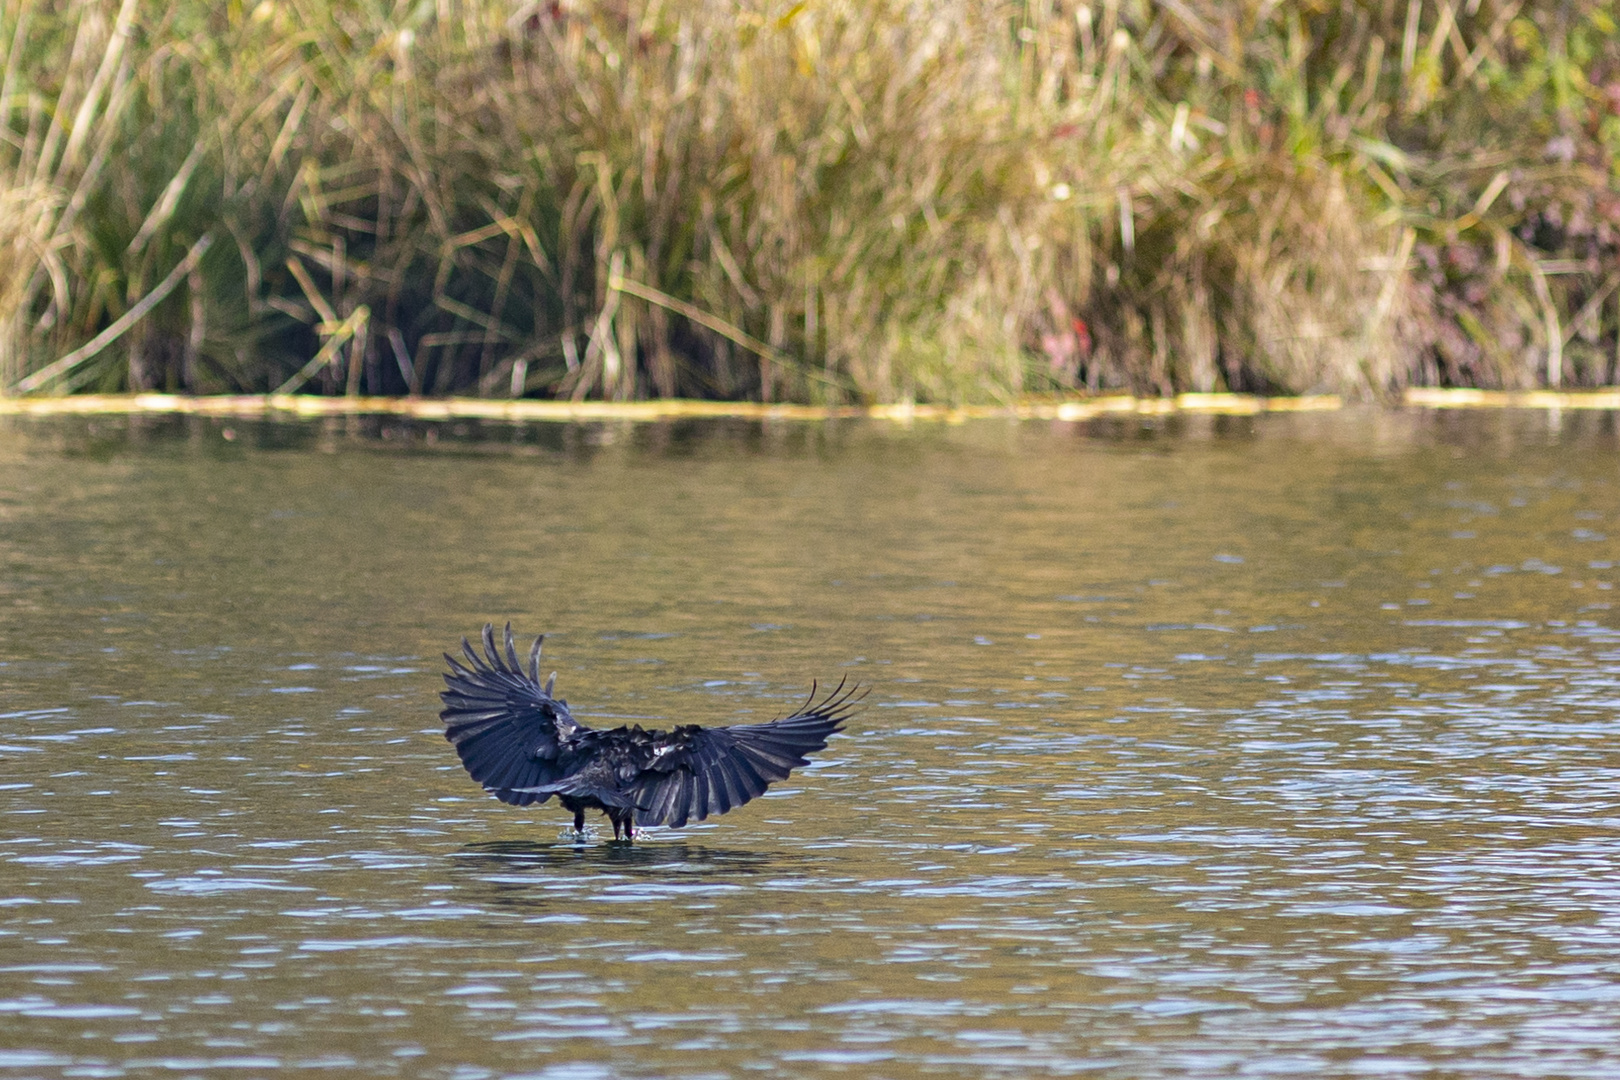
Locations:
(524, 876)
(670, 858)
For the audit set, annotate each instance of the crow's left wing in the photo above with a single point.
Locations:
(503, 723)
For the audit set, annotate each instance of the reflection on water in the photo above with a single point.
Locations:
(527, 876)
(1196, 746)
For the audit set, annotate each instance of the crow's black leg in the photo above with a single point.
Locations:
(629, 824)
(579, 820)
(617, 825)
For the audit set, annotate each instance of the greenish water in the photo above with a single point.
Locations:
(1195, 747)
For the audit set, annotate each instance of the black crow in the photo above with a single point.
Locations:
(524, 746)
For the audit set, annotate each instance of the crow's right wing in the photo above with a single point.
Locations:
(503, 723)
(695, 771)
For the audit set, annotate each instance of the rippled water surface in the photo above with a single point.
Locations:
(1195, 747)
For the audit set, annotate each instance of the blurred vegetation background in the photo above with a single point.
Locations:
(822, 201)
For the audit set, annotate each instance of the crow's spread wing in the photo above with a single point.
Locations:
(693, 772)
(503, 723)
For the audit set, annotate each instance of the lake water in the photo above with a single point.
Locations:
(1195, 747)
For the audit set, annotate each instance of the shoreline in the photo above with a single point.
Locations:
(248, 406)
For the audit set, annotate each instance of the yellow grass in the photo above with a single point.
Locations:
(831, 202)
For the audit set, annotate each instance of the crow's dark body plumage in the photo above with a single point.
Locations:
(524, 746)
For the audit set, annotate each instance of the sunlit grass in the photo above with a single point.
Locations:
(822, 202)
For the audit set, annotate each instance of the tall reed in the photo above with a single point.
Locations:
(826, 200)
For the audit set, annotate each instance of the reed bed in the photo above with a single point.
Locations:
(826, 202)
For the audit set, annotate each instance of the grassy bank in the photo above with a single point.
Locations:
(822, 202)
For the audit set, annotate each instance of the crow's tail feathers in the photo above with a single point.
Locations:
(579, 788)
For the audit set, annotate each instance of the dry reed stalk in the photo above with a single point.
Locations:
(185, 268)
